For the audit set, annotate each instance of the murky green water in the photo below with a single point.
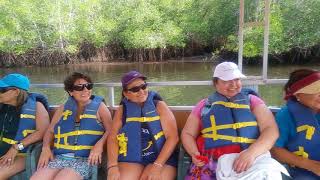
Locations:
(169, 71)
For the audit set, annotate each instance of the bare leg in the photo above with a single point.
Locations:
(167, 172)
(45, 173)
(18, 165)
(69, 174)
(130, 171)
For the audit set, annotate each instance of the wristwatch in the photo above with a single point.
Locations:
(20, 146)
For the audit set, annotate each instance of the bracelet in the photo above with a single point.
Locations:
(158, 164)
(112, 166)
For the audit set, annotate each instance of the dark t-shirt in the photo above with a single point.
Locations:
(9, 122)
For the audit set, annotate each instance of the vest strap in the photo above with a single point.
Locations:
(231, 105)
(8, 141)
(143, 119)
(301, 152)
(71, 147)
(88, 116)
(27, 116)
(229, 138)
(309, 130)
(229, 126)
(215, 136)
(78, 132)
(58, 137)
(27, 131)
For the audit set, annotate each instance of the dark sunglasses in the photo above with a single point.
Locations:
(137, 88)
(4, 90)
(80, 87)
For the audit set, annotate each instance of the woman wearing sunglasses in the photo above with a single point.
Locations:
(23, 120)
(144, 134)
(78, 131)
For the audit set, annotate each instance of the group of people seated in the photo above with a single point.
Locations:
(229, 135)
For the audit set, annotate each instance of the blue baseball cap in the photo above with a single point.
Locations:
(131, 76)
(15, 80)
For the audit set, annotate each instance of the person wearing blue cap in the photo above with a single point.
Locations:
(144, 134)
(23, 121)
(78, 131)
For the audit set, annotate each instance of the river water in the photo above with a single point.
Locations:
(156, 72)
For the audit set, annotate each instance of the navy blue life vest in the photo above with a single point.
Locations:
(228, 121)
(307, 141)
(27, 122)
(129, 137)
(68, 139)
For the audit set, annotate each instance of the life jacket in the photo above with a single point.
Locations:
(27, 122)
(129, 137)
(228, 122)
(68, 139)
(307, 141)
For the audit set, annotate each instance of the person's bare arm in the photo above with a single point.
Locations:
(287, 157)
(42, 123)
(113, 146)
(189, 134)
(48, 138)
(268, 135)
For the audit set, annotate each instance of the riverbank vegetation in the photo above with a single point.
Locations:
(62, 32)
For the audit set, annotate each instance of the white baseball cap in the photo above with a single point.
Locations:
(227, 71)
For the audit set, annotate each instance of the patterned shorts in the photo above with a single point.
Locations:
(80, 165)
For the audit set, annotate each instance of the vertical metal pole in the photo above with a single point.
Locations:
(111, 96)
(240, 35)
(266, 40)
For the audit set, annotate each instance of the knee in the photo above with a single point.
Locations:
(4, 175)
(36, 176)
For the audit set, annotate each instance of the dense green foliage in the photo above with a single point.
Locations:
(140, 27)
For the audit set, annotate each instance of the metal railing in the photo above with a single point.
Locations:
(250, 82)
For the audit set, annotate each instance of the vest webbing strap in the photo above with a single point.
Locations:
(27, 116)
(78, 132)
(234, 139)
(301, 152)
(58, 136)
(27, 131)
(229, 126)
(231, 105)
(143, 119)
(229, 138)
(88, 116)
(8, 141)
(71, 147)
(309, 130)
